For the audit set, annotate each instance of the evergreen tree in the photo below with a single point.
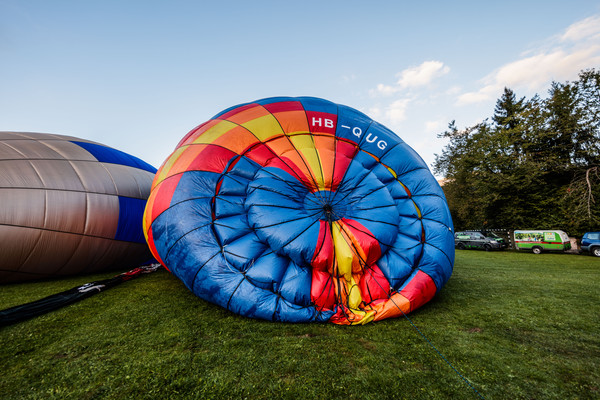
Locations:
(535, 166)
(582, 199)
(508, 118)
(508, 110)
(562, 122)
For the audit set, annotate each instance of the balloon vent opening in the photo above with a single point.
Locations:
(324, 206)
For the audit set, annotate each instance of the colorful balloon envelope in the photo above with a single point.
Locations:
(299, 209)
(69, 206)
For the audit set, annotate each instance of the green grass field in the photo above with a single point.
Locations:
(516, 325)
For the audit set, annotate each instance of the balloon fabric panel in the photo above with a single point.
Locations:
(69, 206)
(299, 210)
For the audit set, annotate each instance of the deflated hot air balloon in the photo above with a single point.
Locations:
(69, 206)
(299, 209)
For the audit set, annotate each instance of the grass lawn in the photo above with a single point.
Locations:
(516, 325)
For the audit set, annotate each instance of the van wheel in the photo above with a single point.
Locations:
(487, 247)
(537, 250)
(461, 246)
(596, 251)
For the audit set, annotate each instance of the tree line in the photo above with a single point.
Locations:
(533, 165)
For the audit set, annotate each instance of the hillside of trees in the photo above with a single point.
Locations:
(533, 165)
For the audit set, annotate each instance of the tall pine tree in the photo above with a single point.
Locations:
(535, 165)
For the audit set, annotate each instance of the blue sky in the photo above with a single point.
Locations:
(138, 75)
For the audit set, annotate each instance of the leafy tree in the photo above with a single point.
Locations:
(460, 163)
(583, 192)
(588, 102)
(535, 165)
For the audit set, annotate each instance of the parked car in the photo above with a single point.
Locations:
(590, 242)
(497, 238)
(475, 240)
(539, 241)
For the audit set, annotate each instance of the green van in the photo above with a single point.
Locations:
(539, 241)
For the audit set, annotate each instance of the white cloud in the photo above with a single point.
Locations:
(589, 27)
(435, 126)
(535, 72)
(577, 49)
(454, 90)
(483, 94)
(490, 91)
(385, 90)
(396, 112)
(374, 112)
(422, 75)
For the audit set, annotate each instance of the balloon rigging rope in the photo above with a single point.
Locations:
(393, 302)
(429, 341)
(439, 353)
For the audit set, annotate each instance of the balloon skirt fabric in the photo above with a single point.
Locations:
(298, 210)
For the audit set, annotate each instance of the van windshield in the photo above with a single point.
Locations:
(564, 236)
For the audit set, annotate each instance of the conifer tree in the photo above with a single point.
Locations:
(536, 165)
